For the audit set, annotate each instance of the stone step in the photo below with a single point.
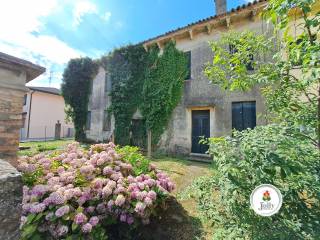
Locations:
(200, 157)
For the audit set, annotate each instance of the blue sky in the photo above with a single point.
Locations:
(50, 32)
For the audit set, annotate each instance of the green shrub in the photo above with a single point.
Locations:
(132, 155)
(44, 148)
(266, 155)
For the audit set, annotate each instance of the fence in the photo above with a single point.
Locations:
(43, 133)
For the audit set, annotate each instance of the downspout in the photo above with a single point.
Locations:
(29, 113)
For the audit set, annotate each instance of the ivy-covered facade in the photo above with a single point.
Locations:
(203, 109)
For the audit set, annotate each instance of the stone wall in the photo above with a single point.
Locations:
(99, 101)
(200, 94)
(10, 123)
(10, 201)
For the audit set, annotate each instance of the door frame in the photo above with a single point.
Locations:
(189, 123)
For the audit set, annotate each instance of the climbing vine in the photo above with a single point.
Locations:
(146, 81)
(126, 67)
(76, 87)
(163, 85)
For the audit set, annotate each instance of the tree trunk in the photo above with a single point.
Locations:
(149, 143)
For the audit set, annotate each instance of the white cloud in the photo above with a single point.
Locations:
(82, 8)
(106, 17)
(21, 23)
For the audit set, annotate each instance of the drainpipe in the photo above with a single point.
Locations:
(29, 114)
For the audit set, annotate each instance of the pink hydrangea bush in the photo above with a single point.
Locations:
(78, 192)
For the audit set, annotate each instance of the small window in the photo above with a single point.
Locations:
(188, 56)
(91, 87)
(106, 121)
(88, 123)
(106, 83)
(243, 115)
(25, 100)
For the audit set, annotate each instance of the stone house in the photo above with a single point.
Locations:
(43, 108)
(204, 110)
(14, 74)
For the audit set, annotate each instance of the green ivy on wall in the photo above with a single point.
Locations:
(147, 81)
(163, 85)
(125, 67)
(76, 87)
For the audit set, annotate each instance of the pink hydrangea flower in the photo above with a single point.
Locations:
(148, 201)
(140, 207)
(123, 217)
(39, 190)
(37, 208)
(80, 218)
(110, 204)
(62, 230)
(120, 200)
(130, 220)
(62, 211)
(112, 184)
(86, 228)
(106, 191)
(152, 194)
(94, 221)
(107, 171)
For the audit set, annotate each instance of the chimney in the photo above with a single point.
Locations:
(221, 6)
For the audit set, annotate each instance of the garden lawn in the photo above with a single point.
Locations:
(33, 148)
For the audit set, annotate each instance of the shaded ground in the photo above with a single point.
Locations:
(180, 220)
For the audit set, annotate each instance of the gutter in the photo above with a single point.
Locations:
(29, 114)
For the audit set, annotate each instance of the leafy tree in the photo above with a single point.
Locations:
(290, 80)
(76, 88)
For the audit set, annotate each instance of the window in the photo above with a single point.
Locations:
(188, 56)
(106, 121)
(91, 87)
(243, 115)
(25, 100)
(88, 123)
(106, 83)
(233, 50)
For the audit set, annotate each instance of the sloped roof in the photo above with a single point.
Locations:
(31, 69)
(49, 90)
(233, 10)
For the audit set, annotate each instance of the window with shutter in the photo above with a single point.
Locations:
(188, 56)
(88, 124)
(106, 121)
(243, 115)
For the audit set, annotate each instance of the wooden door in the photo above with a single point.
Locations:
(200, 128)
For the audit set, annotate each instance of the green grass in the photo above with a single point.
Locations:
(38, 147)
